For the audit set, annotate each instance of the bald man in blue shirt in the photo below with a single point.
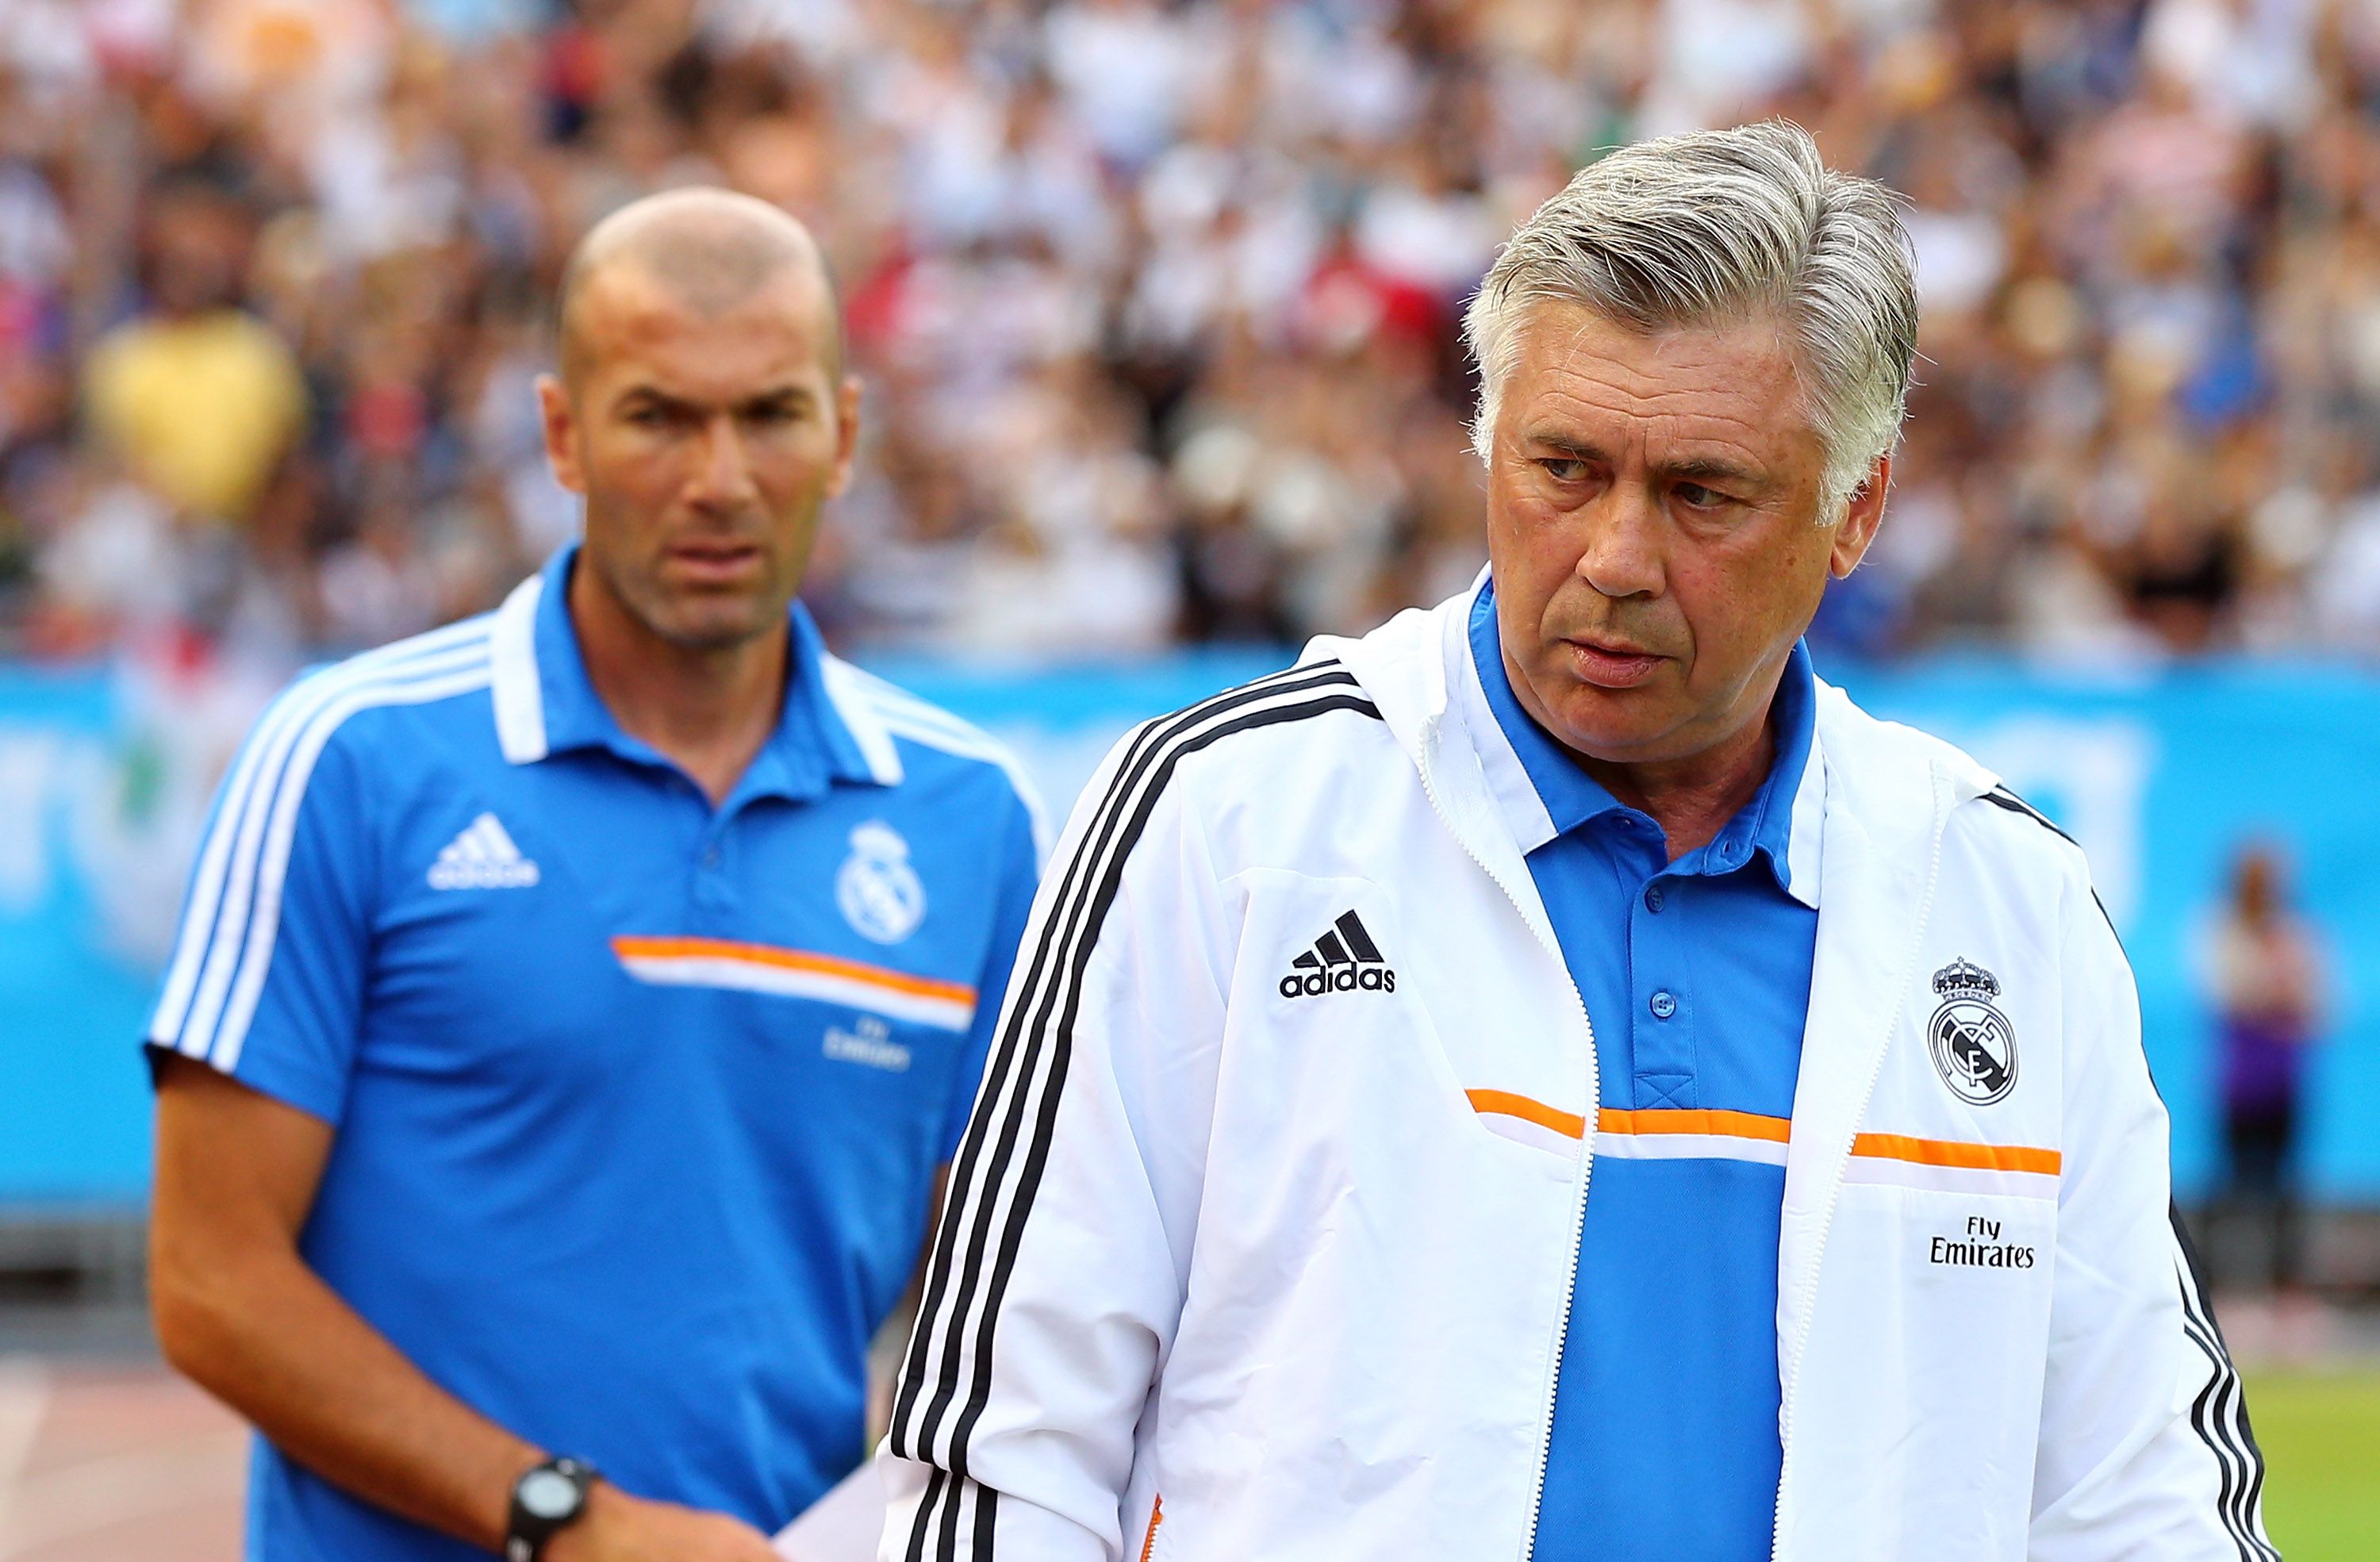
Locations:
(574, 1007)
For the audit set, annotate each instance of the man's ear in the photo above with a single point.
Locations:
(559, 420)
(846, 433)
(1860, 518)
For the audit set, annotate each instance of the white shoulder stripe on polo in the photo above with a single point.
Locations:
(936, 727)
(891, 699)
(893, 703)
(968, 744)
(902, 714)
(197, 923)
(250, 835)
(930, 723)
(264, 922)
(199, 920)
(232, 890)
(844, 688)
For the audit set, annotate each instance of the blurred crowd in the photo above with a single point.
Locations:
(1156, 302)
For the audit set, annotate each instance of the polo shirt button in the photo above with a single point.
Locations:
(711, 858)
(1654, 899)
(1665, 1004)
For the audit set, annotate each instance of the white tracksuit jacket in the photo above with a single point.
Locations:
(1234, 1275)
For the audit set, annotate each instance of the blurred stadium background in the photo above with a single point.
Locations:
(1154, 303)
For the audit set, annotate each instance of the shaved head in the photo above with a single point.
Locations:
(708, 251)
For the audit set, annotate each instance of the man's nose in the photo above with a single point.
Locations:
(1623, 553)
(722, 477)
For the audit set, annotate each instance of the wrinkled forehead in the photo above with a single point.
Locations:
(1739, 380)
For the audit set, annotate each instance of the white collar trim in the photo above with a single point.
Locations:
(1805, 832)
(1500, 764)
(519, 697)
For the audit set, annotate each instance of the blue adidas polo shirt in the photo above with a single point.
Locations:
(639, 1100)
(1697, 978)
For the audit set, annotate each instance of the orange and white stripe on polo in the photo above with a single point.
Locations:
(786, 973)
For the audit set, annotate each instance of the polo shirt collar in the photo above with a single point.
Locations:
(1543, 793)
(826, 732)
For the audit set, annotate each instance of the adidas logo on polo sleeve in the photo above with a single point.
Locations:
(1343, 960)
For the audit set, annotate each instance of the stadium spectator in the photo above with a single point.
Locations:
(1081, 235)
(573, 1009)
(2267, 979)
(199, 399)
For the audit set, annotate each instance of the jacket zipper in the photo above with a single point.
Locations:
(1586, 1159)
(1834, 1197)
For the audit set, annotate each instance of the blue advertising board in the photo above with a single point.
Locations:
(73, 1104)
(2162, 774)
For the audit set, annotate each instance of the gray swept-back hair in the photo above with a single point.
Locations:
(1714, 229)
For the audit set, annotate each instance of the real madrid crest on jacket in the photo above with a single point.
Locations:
(1972, 1043)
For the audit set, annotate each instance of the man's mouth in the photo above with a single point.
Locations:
(1610, 664)
(712, 560)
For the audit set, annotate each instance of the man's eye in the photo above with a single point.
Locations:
(648, 416)
(1565, 468)
(1699, 497)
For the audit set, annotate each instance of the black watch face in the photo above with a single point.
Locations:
(548, 1493)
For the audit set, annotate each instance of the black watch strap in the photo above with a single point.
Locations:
(546, 1499)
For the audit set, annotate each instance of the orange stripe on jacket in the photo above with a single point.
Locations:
(1648, 1121)
(1511, 1104)
(790, 960)
(1951, 1152)
(1776, 1131)
(1156, 1517)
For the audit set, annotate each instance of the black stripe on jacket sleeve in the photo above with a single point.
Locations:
(2219, 1413)
(969, 1269)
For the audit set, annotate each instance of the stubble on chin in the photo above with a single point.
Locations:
(707, 628)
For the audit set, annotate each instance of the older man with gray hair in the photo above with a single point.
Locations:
(1553, 1079)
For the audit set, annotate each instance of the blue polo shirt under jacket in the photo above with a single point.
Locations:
(1697, 978)
(637, 1101)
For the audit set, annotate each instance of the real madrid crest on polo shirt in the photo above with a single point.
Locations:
(879, 892)
(1972, 1043)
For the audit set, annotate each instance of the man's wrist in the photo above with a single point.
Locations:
(547, 1498)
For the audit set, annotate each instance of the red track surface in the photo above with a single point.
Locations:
(115, 1464)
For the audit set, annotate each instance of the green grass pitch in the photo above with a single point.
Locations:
(2321, 1436)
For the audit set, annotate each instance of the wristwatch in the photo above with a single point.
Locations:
(546, 1499)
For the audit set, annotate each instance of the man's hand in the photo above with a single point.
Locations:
(619, 1528)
